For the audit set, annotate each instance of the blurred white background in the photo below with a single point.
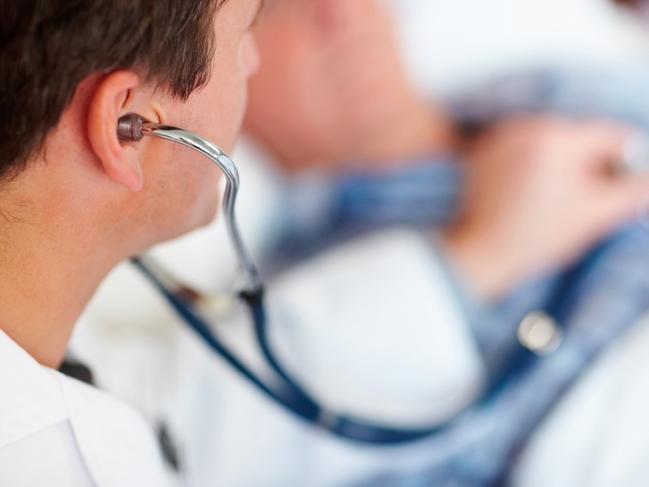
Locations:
(447, 43)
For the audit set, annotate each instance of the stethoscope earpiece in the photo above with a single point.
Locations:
(130, 127)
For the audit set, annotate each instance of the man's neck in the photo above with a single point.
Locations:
(50, 266)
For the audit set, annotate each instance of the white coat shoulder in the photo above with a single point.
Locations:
(58, 431)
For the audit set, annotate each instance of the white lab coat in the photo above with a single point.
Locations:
(56, 431)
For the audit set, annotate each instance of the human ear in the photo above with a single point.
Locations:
(110, 100)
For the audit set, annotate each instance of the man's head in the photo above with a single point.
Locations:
(70, 69)
(334, 90)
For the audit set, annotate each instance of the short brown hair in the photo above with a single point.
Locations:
(47, 47)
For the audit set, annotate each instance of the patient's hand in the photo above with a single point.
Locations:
(540, 192)
(332, 89)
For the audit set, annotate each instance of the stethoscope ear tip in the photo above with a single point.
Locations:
(130, 127)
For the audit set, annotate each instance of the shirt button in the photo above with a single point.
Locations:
(539, 333)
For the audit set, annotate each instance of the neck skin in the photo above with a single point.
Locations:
(53, 255)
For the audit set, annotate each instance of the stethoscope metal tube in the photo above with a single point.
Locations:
(133, 127)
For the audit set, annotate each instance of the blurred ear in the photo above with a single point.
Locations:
(109, 101)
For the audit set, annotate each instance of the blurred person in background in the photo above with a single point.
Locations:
(350, 111)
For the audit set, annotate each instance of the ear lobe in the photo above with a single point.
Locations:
(109, 101)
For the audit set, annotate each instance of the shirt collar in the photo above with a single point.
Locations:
(32, 398)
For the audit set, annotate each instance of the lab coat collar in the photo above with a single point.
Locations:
(31, 397)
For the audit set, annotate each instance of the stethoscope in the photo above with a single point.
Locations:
(539, 333)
